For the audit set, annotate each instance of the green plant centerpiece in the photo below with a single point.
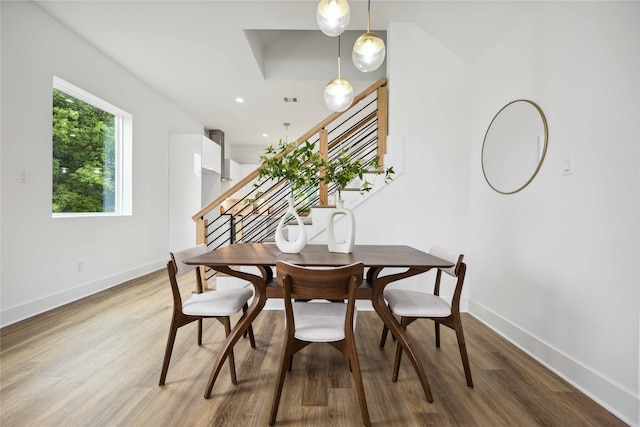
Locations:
(299, 166)
(343, 170)
(303, 168)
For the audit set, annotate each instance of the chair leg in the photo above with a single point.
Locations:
(252, 339)
(285, 362)
(173, 329)
(232, 363)
(249, 331)
(199, 331)
(396, 362)
(383, 338)
(436, 325)
(357, 379)
(463, 352)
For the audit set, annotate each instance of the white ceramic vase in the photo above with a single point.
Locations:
(345, 245)
(286, 246)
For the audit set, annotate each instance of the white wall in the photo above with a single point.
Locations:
(194, 181)
(555, 267)
(39, 254)
(426, 203)
(568, 289)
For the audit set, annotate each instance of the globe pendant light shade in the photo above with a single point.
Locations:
(338, 95)
(333, 16)
(368, 52)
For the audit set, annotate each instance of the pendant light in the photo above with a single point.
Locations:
(333, 16)
(338, 95)
(368, 50)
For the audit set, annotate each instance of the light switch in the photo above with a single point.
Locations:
(567, 165)
(23, 176)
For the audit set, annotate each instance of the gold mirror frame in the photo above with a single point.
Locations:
(541, 153)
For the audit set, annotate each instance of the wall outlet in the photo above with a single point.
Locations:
(80, 266)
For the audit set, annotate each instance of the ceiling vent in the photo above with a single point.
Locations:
(290, 99)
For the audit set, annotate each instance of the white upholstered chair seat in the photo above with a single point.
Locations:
(413, 305)
(320, 321)
(217, 303)
(416, 304)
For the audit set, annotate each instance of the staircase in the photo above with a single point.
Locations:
(250, 210)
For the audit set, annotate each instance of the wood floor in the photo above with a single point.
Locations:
(97, 362)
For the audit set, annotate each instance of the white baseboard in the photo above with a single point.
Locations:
(20, 312)
(616, 399)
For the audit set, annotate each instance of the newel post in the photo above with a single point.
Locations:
(201, 237)
(324, 152)
(383, 117)
(201, 231)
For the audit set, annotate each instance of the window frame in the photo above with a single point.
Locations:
(123, 151)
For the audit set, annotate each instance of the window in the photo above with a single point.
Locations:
(91, 154)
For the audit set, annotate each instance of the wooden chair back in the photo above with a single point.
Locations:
(313, 283)
(458, 271)
(333, 284)
(176, 267)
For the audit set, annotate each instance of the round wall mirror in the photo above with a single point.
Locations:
(514, 146)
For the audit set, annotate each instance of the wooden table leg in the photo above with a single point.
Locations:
(378, 285)
(259, 300)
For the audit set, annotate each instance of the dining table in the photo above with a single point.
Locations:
(400, 262)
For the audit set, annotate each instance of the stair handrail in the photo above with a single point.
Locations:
(316, 129)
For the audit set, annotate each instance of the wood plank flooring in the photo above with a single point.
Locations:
(96, 362)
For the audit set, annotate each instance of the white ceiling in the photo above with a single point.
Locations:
(201, 55)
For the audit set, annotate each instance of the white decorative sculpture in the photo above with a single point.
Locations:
(286, 246)
(343, 246)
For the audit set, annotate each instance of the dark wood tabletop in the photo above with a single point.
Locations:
(257, 254)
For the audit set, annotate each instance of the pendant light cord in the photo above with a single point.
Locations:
(339, 57)
(369, 16)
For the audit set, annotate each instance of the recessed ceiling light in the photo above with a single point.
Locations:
(239, 100)
(265, 135)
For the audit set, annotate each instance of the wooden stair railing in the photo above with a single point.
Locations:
(365, 137)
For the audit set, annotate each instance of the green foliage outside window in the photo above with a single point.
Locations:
(84, 139)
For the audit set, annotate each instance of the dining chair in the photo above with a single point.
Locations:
(313, 321)
(220, 305)
(413, 305)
